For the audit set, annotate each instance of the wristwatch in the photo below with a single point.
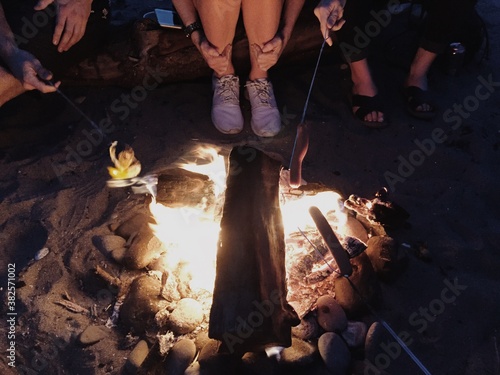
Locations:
(191, 28)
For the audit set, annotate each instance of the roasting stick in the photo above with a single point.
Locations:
(80, 112)
(301, 143)
(341, 259)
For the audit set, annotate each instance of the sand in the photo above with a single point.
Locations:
(53, 195)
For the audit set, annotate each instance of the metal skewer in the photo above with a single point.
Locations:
(78, 110)
(301, 143)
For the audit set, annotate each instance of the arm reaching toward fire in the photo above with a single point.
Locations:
(22, 65)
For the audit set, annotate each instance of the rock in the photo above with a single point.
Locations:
(132, 225)
(144, 249)
(331, 317)
(258, 364)
(137, 356)
(110, 242)
(209, 351)
(213, 362)
(383, 254)
(42, 253)
(375, 336)
(307, 329)
(355, 333)
(142, 303)
(366, 282)
(112, 246)
(187, 315)
(119, 254)
(180, 357)
(355, 229)
(201, 340)
(91, 335)
(334, 353)
(301, 353)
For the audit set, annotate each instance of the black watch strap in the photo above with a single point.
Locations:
(191, 28)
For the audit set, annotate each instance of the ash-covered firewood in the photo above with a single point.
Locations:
(249, 309)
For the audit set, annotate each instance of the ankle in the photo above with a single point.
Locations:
(417, 80)
(256, 74)
(364, 88)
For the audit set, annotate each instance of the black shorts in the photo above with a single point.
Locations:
(33, 31)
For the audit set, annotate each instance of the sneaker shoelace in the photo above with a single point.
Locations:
(262, 91)
(226, 89)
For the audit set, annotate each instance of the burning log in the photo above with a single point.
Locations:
(249, 310)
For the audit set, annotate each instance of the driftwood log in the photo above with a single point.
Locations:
(249, 310)
(143, 53)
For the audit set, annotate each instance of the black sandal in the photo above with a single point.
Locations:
(368, 104)
(416, 97)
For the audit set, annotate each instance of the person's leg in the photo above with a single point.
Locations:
(417, 76)
(10, 87)
(362, 84)
(219, 18)
(261, 19)
(356, 14)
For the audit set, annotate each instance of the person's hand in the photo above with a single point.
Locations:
(219, 62)
(72, 17)
(329, 13)
(30, 72)
(268, 55)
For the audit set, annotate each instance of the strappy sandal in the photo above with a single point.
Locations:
(416, 97)
(368, 104)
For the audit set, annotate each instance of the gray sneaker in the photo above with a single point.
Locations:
(226, 111)
(266, 119)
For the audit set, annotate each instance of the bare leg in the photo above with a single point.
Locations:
(363, 85)
(261, 19)
(219, 18)
(10, 87)
(418, 73)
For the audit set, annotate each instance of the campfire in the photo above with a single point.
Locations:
(242, 254)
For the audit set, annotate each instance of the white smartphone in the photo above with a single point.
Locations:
(168, 18)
